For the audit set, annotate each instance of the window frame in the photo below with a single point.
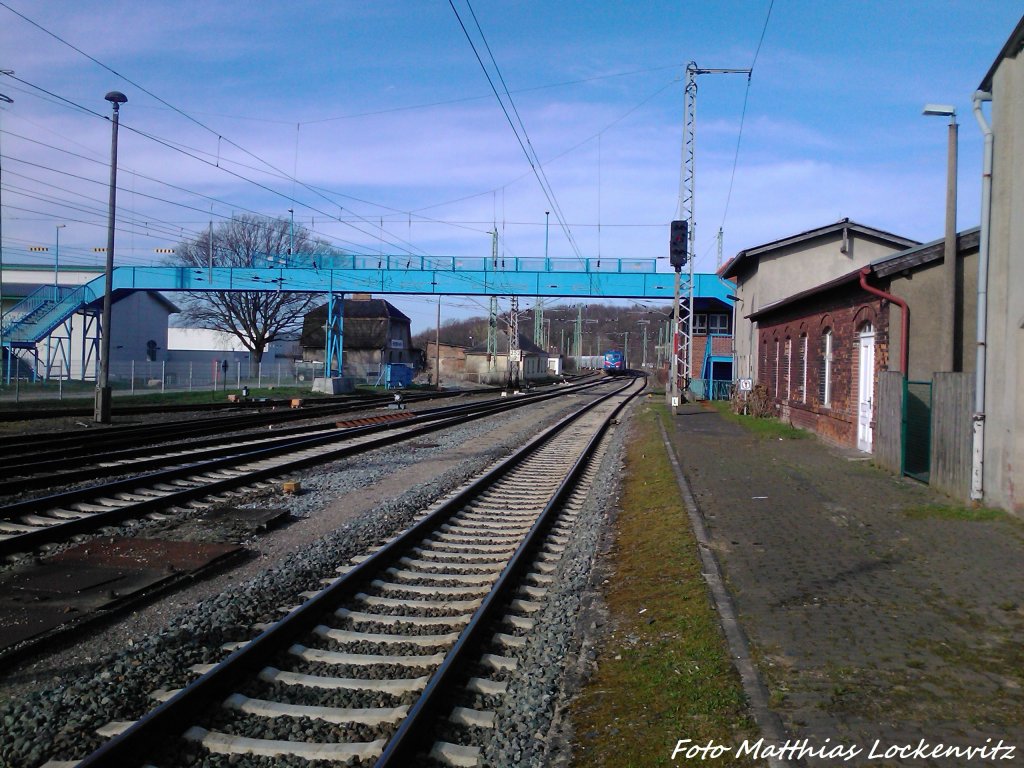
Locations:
(827, 358)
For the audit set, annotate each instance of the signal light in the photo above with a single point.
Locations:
(677, 245)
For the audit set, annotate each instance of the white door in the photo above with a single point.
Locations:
(866, 388)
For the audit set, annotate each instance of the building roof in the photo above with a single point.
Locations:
(1013, 46)
(910, 258)
(365, 323)
(843, 226)
(927, 252)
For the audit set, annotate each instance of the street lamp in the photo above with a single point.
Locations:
(547, 221)
(291, 238)
(56, 266)
(101, 412)
(947, 347)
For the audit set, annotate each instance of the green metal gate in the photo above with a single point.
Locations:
(917, 429)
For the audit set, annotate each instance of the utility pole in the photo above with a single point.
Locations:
(682, 343)
(514, 352)
(492, 334)
(437, 345)
(101, 406)
(578, 337)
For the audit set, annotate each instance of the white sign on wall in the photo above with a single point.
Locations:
(397, 343)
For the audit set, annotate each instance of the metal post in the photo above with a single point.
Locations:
(133, 376)
(949, 336)
(547, 220)
(209, 255)
(291, 237)
(101, 412)
(437, 347)
(189, 375)
(3, 100)
(950, 259)
(56, 266)
(163, 376)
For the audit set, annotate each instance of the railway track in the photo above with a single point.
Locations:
(407, 642)
(185, 474)
(66, 449)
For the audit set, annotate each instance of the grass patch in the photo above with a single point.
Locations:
(664, 671)
(767, 429)
(85, 397)
(954, 512)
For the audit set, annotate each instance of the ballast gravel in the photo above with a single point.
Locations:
(59, 723)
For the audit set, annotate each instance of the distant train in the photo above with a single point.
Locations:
(614, 363)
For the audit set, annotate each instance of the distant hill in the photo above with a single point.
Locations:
(604, 327)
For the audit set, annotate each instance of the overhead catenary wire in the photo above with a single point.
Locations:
(743, 114)
(523, 140)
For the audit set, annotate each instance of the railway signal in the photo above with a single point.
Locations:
(677, 245)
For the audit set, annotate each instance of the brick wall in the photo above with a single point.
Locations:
(844, 311)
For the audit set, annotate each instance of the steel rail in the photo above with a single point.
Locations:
(29, 540)
(202, 450)
(173, 715)
(26, 480)
(263, 402)
(85, 443)
(412, 735)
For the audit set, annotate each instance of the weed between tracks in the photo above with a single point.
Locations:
(664, 672)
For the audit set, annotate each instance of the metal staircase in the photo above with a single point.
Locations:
(36, 316)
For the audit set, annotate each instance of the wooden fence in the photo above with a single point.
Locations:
(952, 401)
(888, 446)
(952, 404)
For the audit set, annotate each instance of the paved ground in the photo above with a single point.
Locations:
(869, 620)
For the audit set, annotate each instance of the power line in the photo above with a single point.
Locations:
(743, 114)
(530, 158)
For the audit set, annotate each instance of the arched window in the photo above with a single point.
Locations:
(788, 388)
(825, 380)
(801, 365)
(775, 371)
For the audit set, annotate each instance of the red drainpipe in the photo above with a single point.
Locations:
(904, 316)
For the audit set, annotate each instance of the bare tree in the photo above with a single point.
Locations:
(256, 318)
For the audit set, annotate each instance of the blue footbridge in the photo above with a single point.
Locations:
(38, 315)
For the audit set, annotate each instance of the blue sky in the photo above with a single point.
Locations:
(383, 110)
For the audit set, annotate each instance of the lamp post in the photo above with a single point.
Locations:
(3, 100)
(56, 266)
(547, 222)
(947, 346)
(291, 238)
(101, 412)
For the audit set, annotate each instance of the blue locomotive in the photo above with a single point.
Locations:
(614, 363)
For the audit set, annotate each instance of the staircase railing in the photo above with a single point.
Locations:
(40, 312)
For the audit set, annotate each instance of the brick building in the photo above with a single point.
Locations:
(819, 354)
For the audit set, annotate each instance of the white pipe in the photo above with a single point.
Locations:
(978, 417)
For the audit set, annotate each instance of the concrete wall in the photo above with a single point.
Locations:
(1004, 386)
(923, 290)
(789, 270)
